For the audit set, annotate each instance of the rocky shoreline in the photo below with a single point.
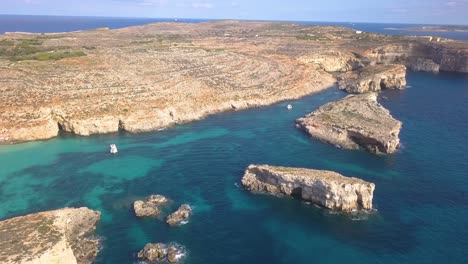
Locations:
(60, 236)
(325, 188)
(151, 77)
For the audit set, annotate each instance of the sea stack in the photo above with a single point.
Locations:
(357, 121)
(60, 236)
(325, 188)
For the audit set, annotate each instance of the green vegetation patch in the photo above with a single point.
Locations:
(7, 43)
(310, 37)
(45, 56)
(32, 49)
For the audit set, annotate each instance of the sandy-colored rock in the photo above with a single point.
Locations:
(325, 188)
(150, 206)
(422, 64)
(374, 79)
(357, 121)
(180, 216)
(162, 253)
(60, 236)
(333, 61)
(151, 77)
(449, 56)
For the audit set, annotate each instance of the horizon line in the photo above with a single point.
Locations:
(238, 19)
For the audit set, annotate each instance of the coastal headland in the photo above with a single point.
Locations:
(151, 77)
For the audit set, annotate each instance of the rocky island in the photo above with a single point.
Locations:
(325, 188)
(150, 77)
(60, 236)
(150, 206)
(162, 253)
(180, 216)
(357, 121)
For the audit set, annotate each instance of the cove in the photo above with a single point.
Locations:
(421, 191)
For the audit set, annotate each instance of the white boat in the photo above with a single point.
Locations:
(289, 107)
(113, 148)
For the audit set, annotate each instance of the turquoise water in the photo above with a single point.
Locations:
(421, 195)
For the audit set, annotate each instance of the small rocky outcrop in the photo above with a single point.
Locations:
(180, 216)
(374, 79)
(325, 188)
(357, 121)
(162, 253)
(151, 206)
(60, 236)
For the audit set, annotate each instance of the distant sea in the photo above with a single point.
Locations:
(50, 24)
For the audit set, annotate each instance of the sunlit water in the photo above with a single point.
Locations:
(421, 192)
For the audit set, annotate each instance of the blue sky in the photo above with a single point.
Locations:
(397, 11)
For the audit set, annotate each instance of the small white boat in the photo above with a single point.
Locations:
(289, 107)
(113, 148)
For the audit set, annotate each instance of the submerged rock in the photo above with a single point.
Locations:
(151, 206)
(180, 216)
(353, 122)
(162, 253)
(325, 188)
(60, 236)
(374, 79)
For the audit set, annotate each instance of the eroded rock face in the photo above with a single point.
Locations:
(162, 253)
(449, 56)
(374, 79)
(333, 61)
(60, 236)
(357, 121)
(151, 77)
(151, 206)
(180, 216)
(422, 64)
(325, 188)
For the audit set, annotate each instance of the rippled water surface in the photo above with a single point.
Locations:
(421, 194)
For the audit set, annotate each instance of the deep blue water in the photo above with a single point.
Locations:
(421, 192)
(50, 24)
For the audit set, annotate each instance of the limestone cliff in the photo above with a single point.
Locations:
(357, 121)
(333, 61)
(60, 236)
(325, 188)
(150, 77)
(424, 55)
(374, 79)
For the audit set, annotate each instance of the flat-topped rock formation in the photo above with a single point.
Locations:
(374, 79)
(180, 216)
(60, 236)
(150, 206)
(357, 121)
(325, 188)
(150, 77)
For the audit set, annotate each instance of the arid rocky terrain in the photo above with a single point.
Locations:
(150, 77)
(60, 236)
